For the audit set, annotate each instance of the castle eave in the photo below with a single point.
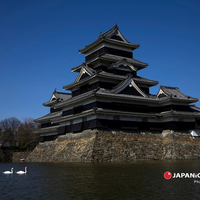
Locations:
(74, 116)
(47, 130)
(89, 47)
(181, 114)
(50, 103)
(76, 99)
(48, 117)
(114, 58)
(125, 114)
(177, 100)
(101, 75)
(108, 94)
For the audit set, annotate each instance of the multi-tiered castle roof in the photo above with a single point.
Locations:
(108, 94)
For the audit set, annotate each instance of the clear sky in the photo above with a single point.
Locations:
(39, 42)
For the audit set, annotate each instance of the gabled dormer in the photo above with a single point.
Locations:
(128, 86)
(161, 93)
(175, 94)
(84, 72)
(123, 67)
(56, 98)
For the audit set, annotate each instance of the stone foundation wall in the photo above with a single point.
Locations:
(68, 148)
(117, 146)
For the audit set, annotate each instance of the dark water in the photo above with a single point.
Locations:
(139, 180)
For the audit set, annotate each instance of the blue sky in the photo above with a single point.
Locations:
(39, 42)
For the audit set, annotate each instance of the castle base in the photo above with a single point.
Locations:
(117, 146)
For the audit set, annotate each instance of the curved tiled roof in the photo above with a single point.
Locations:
(57, 97)
(47, 130)
(85, 69)
(48, 117)
(127, 83)
(109, 76)
(114, 58)
(175, 94)
(108, 37)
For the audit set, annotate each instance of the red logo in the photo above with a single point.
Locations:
(167, 175)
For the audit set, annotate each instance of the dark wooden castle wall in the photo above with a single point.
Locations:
(89, 87)
(108, 50)
(124, 107)
(125, 125)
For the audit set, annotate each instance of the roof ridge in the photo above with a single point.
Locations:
(106, 37)
(114, 28)
(130, 60)
(169, 87)
(122, 84)
(63, 92)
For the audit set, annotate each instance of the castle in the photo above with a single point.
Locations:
(108, 94)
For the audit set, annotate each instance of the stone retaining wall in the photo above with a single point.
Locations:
(117, 146)
(68, 148)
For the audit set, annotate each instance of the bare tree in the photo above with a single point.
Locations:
(26, 136)
(8, 130)
(7, 138)
(11, 123)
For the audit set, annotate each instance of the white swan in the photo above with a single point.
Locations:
(22, 172)
(9, 172)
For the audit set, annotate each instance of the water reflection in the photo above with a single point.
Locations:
(139, 180)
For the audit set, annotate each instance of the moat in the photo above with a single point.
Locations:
(136, 180)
